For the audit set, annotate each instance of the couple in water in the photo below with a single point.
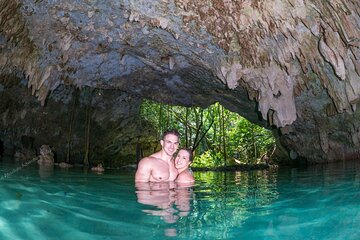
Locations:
(162, 166)
(164, 180)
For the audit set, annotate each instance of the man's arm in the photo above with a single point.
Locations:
(143, 171)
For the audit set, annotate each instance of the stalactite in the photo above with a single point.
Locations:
(279, 53)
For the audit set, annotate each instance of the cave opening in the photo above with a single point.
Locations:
(218, 136)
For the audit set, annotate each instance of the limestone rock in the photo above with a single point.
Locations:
(296, 61)
(46, 156)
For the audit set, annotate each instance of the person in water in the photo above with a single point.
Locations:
(183, 160)
(160, 167)
(99, 168)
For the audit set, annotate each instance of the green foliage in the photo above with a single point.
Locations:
(219, 136)
(206, 159)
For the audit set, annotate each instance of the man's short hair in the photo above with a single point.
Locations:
(170, 131)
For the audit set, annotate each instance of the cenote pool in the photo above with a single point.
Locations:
(318, 202)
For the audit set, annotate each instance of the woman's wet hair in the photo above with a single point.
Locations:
(170, 131)
(189, 150)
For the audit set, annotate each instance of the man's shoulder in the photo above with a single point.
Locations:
(149, 160)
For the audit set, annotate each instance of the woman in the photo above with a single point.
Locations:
(182, 161)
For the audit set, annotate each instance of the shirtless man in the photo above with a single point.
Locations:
(160, 167)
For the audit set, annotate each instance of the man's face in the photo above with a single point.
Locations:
(170, 144)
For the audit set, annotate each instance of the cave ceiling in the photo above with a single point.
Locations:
(294, 63)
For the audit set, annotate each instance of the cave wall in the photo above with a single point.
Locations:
(114, 129)
(293, 62)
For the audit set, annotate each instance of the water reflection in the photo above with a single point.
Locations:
(46, 171)
(171, 201)
(318, 202)
(244, 189)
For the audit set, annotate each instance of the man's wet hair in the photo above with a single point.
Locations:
(170, 131)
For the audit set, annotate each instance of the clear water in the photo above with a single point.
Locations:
(319, 202)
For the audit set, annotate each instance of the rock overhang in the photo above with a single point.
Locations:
(242, 54)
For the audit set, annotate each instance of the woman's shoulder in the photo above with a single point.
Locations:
(185, 176)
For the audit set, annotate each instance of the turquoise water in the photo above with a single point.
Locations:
(319, 202)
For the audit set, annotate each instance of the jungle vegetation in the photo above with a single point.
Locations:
(217, 136)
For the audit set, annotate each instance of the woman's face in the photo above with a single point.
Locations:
(182, 159)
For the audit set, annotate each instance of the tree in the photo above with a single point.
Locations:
(218, 136)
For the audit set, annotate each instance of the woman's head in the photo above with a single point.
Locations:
(183, 158)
